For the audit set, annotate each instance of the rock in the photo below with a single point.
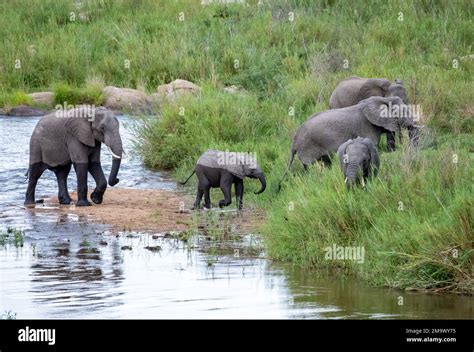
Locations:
(175, 89)
(26, 111)
(3, 112)
(42, 98)
(125, 99)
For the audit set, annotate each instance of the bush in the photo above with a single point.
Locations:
(64, 94)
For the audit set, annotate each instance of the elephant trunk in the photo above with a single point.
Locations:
(261, 178)
(351, 174)
(115, 146)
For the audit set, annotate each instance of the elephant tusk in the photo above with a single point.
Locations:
(345, 181)
(363, 182)
(113, 154)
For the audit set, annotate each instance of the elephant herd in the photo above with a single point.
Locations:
(361, 111)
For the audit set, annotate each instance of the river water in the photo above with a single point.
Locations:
(71, 268)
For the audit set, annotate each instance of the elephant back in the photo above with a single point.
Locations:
(217, 159)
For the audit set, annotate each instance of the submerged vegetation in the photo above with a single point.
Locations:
(12, 236)
(415, 221)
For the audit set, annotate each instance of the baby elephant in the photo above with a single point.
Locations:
(359, 160)
(222, 169)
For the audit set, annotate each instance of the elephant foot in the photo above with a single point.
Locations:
(97, 197)
(65, 200)
(223, 203)
(29, 203)
(83, 203)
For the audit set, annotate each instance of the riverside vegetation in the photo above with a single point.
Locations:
(415, 220)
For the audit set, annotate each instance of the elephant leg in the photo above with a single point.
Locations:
(326, 161)
(81, 172)
(95, 169)
(62, 173)
(305, 167)
(197, 202)
(390, 141)
(226, 187)
(34, 173)
(239, 193)
(207, 197)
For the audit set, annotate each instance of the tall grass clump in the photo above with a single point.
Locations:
(415, 221)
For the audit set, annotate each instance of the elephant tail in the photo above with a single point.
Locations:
(183, 183)
(292, 157)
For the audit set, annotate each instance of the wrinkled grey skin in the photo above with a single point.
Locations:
(355, 89)
(213, 175)
(61, 140)
(359, 160)
(323, 133)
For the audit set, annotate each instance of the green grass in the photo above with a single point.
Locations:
(65, 94)
(9, 100)
(283, 66)
(415, 221)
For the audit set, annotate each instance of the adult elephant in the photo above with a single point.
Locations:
(323, 133)
(74, 137)
(355, 89)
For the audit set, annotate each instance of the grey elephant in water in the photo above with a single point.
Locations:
(359, 160)
(355, 89)
(74, 137)
(217, 168)
(323, 133)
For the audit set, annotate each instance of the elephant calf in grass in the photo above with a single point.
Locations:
(222, 169)
(359, 161)
(74, 137)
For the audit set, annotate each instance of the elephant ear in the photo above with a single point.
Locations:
(341, 151)
(373, 154)
(80, 128)
(373, 87)
(377, 111)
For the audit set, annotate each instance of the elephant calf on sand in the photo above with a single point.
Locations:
(222, 169)
(355, 89)
(359, 160)
(74, 137)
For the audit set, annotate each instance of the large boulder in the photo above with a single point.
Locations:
(175, 89)
(26, 111)
(126, 100)
(42, 98)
